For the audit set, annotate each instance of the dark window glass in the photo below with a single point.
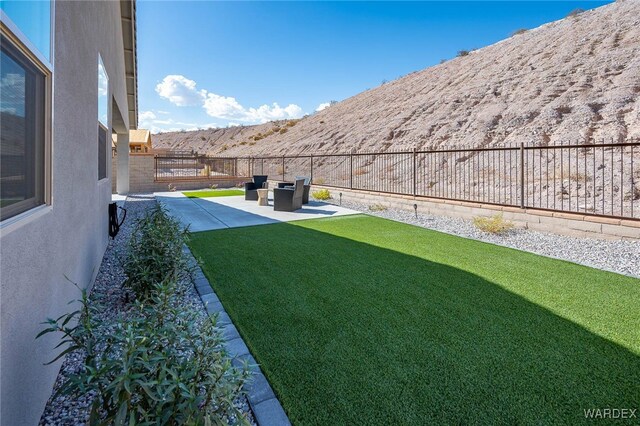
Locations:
(102, 152)
(22, 93)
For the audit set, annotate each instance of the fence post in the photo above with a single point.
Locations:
(311, 177)
(351, 170)
(283, 170)
(415, 182)
(522, 175)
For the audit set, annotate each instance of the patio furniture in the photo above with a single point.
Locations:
(263, 196)
(288, 198)
(307, 187)
(251, 188)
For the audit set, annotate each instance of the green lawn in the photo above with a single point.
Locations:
(361, 320)
(213, 193)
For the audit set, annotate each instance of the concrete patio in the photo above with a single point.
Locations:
(206, 214)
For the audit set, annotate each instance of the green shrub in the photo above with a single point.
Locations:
(159, 364)
(493, 225)
(462, 53)
(154, 251)
(321, 194)
(377, 208)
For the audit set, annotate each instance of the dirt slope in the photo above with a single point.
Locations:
(577, 78)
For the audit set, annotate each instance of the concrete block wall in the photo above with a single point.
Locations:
(570, 224)
(142, 177)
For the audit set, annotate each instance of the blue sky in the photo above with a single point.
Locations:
(214, 64)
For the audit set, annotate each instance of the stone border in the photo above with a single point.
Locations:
(563, 223)
(267, 410)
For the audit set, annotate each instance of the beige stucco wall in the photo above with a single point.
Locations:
(67, 238)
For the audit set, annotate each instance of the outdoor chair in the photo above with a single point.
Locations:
(251, 188)
(307, 187)
(288, 198)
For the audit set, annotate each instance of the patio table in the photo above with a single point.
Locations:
(263, 197)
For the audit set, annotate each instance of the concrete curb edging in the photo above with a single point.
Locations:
(267, 410)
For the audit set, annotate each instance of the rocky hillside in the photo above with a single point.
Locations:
(573, 79)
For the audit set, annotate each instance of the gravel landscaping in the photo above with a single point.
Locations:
(64, 410)
(621, 256)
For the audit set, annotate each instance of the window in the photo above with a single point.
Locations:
(22, 142)
(102, 152)
(33, 18)
(103, 118)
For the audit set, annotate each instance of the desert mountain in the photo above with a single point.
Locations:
(574, 79)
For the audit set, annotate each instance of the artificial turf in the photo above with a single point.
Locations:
(213, 193)
(361, 320)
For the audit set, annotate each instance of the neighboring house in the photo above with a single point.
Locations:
(68, 82)
(140, 140)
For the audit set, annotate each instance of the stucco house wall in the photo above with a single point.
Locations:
(69, 236)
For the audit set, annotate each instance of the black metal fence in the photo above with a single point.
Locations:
(596, 179)
(189, 167)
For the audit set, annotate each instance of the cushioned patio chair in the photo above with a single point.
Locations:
(251, 188)
(289, 198)
(307, 187)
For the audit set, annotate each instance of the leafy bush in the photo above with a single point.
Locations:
(462, 53)
(575, 12)
(493, 225)
(377, 208)
(154, 251)
(160, 364)
(321, 194)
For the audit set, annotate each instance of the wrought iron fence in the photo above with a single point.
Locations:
(595, 179)
(182, 167)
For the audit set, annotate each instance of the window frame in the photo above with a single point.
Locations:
(19, 45)
(103, 127)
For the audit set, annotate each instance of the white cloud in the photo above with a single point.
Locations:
(228, 108)
(274, 112)
(323, 106)
(223, 107)
(149, 120)
(180, 91)
(146, 116)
